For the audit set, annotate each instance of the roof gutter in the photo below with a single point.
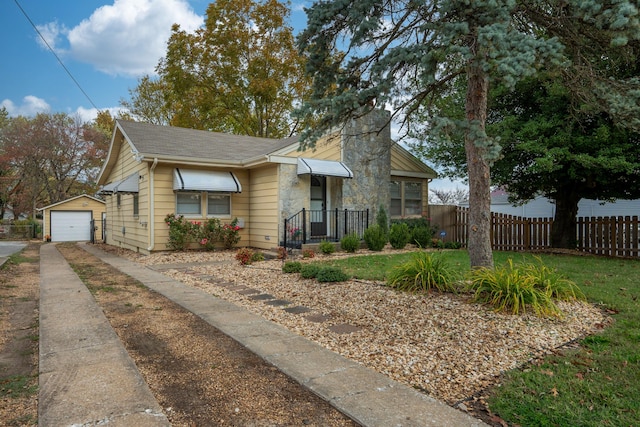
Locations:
(151, 220)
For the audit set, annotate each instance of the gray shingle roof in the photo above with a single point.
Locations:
(166, 141)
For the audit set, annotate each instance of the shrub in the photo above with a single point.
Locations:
(257, 257)
(399, 235)
(512, 288)
(350, 242)
(382, 220)
(452, 245)
(245, 256)
(375, 238)
(331, 274)
(327, 248)
(308, 253)
(422, 236)
(309, 271)
(181, 231)
(209, 233)
(425, 271)
(437, 243)
(282, 252)
(230, 234)
(292, 267)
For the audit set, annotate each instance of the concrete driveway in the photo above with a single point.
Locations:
(8, 248)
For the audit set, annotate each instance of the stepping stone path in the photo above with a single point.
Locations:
(254, 294)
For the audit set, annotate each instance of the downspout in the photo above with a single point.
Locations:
(152, 239)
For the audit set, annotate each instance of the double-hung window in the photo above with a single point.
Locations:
(406, 198)
(188, 203)
(191, 204)
(218, 204)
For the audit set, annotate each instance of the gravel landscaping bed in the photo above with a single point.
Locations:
(439, 343)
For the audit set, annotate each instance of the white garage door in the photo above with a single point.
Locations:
(70, 226)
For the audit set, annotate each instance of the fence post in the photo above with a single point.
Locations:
(335, 223)
(284, 234)
(304, 225)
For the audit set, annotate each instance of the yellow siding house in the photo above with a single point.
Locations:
(71, 220)
(152, 171)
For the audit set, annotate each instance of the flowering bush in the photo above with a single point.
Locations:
(294, 232)
(183, 232)
(245, 256)
(230, 234)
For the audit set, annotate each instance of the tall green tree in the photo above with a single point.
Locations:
(554, 148)
(403, 54)
(240, 74)
(150, 101)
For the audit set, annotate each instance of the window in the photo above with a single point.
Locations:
(188, 204)
(218, 205)
(406, 198)
(136, 211)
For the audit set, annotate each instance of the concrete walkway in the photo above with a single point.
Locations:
(369, 398)
(86, 376)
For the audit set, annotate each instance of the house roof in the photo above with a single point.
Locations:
(70, 199)
(175, 142)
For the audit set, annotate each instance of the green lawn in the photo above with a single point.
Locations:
(597, 384)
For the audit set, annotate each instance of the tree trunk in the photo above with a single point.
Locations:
(479, 227)
(563, 229)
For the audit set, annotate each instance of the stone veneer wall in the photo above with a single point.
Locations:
(366, 150)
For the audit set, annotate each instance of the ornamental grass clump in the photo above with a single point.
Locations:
(424, 272)
(515, 288)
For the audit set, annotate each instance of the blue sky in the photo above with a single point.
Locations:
(105, 44)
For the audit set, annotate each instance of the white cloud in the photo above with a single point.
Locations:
(31, 105)
(129, 37)
(87, 115)
(51, 33)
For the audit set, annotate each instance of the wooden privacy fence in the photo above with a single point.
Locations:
(611, 236)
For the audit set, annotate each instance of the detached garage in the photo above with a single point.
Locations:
(70, 220)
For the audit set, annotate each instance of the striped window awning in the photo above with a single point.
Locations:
(323, 168)
(128, 185)
(202, 180)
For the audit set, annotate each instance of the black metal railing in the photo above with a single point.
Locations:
(312, 226)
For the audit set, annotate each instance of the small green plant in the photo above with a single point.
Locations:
(309, 271)
(437, 243)
(350, 242)
(244, 256)
(331, 274)
(326, 247)
(257, 257)
(399, 235)
(292, 267)
(452, 245)
(425, 271)
(375, 238)
(308, 253)
(511, 288)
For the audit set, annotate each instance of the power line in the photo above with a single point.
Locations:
(56, 55)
